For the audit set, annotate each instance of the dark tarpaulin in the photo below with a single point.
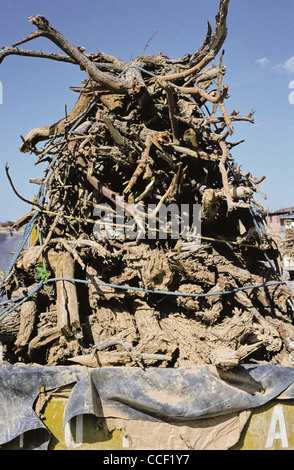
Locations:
(169, 395)
(156, 394)
(19, 388)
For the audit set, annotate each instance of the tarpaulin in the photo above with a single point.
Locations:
(8, 244)
(185, 393)
(19, 388)
(154, 395)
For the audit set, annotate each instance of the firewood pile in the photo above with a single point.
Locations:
(105, 281)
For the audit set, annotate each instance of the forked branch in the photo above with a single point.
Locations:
(47, 30)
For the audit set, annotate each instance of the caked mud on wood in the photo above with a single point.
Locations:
(152, 134)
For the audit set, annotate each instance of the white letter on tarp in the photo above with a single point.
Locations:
(277, 421)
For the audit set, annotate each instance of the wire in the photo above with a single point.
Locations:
(176, 293)
(38, 286)
(23, 299)
(139, 68)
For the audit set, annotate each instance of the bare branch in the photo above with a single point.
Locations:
(6, 51)
(215, 42)
(46, 30)
(16, 192)
(210, 47)
(55, 130)
(223, 171)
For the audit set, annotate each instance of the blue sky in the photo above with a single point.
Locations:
(259, 56)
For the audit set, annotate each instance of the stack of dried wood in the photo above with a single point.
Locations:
(143, 136)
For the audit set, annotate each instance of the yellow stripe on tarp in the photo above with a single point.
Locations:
(33, 236)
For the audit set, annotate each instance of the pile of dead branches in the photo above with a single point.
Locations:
(142, 136)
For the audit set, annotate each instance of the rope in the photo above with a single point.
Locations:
(176, 293)
(27, 232)
(38, 286)
(139, 68)
(276, 270)
(90, 107)
(23, 298)
(260, 226)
